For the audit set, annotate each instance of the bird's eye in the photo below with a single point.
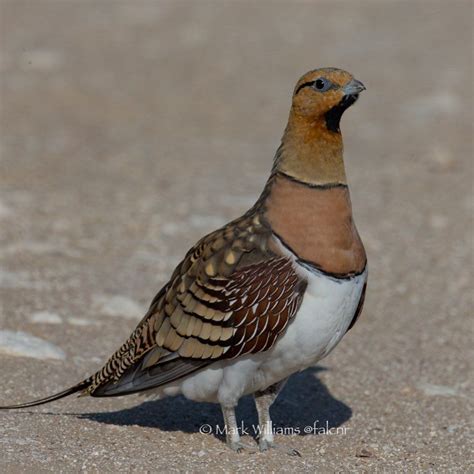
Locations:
(321, 84)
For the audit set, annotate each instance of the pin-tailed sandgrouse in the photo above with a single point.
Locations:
(267, 295)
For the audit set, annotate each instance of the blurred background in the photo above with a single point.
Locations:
(129, 129)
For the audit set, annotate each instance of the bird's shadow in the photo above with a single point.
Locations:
(305, 401)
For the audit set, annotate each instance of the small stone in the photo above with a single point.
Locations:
(438, 221)
(45, 317)
(40, 59)
(80, 322)
(406, 390)
(21, 344)
(364, 453)
(5, 211)
(118, 305)
(437, 390)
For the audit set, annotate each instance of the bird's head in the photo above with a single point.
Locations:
(324, 94)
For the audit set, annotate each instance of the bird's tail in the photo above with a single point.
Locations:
(69, 391)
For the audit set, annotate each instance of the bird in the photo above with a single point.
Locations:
(267, 295)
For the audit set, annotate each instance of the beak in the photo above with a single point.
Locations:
(353, 87)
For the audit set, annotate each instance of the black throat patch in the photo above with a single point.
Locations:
(333, 116)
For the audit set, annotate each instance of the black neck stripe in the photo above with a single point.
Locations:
(312, 185)
(313, 266)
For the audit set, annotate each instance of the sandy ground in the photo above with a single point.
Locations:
(129, 129)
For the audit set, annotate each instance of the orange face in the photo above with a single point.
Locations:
(323, 90)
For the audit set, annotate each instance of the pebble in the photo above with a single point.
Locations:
(45, 317)
(118, 305)
(21, 344)
(433, 390)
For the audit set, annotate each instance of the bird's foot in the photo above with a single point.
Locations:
(240, 447)
(265, 445)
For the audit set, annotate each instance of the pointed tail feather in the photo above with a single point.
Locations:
(56, 396)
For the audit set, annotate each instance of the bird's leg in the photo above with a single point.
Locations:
(263, 402)
(232, 435)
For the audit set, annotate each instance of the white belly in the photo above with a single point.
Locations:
(322, 320)
(325, 314)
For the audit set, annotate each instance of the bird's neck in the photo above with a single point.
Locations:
(311, 153)
(306, 201)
